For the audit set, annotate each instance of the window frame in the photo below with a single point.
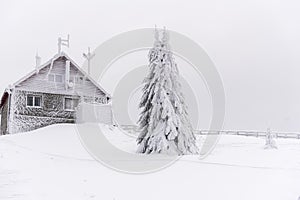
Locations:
(59, 75)
(55, 79)
(33, 100)
(79, 80)
(72, 104)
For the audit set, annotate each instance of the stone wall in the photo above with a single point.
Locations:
(29, 118)
(4, 113)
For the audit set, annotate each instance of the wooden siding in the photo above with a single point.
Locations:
(39, 82)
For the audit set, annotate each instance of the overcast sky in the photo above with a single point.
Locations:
(255, 45)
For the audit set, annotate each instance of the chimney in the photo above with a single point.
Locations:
(67, 75)
(37, 62)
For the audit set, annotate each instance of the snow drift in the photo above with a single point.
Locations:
(50, 163)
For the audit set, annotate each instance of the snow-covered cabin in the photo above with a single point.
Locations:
(48, 95)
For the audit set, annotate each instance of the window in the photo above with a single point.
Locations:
(34, 101)
(37, 101)
(57, 78)
(71, 104)
(79, 80)
(29, 100)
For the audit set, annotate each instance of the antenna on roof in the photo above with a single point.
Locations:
(89, 56)
(63, 42)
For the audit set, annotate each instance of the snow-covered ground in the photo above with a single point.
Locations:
(50, 163)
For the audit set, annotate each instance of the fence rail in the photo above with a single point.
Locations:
(249, 133)
(132, 129)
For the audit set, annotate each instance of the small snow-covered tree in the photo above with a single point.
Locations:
(270, 141)
(164, 123)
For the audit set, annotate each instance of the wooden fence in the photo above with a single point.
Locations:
(132, 129)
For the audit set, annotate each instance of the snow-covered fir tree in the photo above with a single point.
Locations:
(164, 123)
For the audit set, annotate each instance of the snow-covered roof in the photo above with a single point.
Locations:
(54, 58)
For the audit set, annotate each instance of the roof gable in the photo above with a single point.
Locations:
(51, 62)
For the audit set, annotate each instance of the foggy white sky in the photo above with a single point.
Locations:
(254, 44)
